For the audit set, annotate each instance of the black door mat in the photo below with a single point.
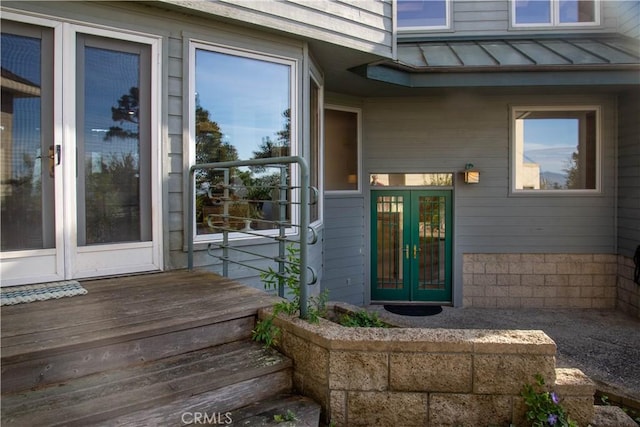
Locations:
(413, 310)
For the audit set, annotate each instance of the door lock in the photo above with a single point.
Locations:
(54, 158)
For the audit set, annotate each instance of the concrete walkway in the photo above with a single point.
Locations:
(604, 344)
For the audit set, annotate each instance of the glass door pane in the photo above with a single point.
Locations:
(113, 143)
(390, 246)
(26, 150)
(431, 236)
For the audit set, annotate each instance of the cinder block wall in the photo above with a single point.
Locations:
(540, 280)
(425, 377)
(628, 291)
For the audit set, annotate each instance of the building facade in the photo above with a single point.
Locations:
(468, 153)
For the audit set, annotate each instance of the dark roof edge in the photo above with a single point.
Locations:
(509, 68)
(502, 78)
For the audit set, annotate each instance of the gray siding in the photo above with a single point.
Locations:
(629, 173)
(445, 133)
(492, 18)
(363, 25)
(344, 244)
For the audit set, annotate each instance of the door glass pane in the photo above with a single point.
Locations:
(389, 244)
(26, 173)
(411, 179)
(431, 249)
(110, 148)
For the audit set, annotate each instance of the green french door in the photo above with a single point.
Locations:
(411, 245)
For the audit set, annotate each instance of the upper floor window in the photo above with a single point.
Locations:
(423, 14)
(534, 13)
(555, 148)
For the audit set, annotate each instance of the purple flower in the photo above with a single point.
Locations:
(554, 398)
(552, 420)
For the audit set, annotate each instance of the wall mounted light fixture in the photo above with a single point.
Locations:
(471, 175)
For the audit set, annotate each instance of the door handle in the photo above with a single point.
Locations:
(54, 158)
(406, 251)
(415, 251)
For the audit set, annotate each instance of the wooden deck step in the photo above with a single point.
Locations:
(293, 410)
(216, 379)
(123, 321)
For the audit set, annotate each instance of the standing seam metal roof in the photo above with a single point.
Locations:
(526, 52)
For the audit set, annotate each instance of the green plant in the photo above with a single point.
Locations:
(290, 278)
(544, 406)
(265, 330)
(362, 318)
(289, 416)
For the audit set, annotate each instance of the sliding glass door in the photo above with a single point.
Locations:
(77, 166)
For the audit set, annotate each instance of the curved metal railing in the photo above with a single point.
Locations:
(221, 222)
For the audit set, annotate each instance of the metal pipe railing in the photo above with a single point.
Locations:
(303, 226)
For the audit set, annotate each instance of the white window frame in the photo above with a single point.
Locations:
(194, 45)
(358, 113)
(315, 75)
(515, 157)
(555, 17)
(423, 28)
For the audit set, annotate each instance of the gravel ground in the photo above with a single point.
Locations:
(604, 344)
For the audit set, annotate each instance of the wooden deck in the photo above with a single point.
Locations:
(124, 308)
(142, 350)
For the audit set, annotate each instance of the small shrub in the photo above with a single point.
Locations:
(265, 331)
(544, 406)
(362, 318)
(289, 416)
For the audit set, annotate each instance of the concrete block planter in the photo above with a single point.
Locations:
(419, 376)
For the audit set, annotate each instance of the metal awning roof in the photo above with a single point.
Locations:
(602, 59)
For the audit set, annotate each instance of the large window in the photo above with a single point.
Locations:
(555, 149)
(555, 12)
(423, 14)
(242, 110)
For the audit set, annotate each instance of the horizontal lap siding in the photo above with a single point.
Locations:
(362, 25)
(442, 134)
(478, 17)
(629, 174)
(344, 240)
